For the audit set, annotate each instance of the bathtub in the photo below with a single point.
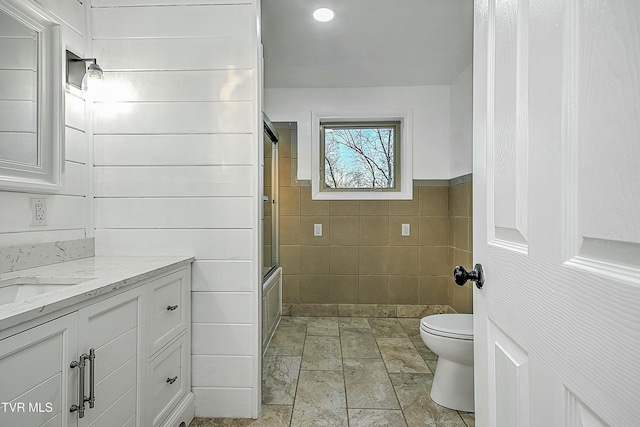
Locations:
(271, 306)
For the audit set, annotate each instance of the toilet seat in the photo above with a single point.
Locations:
(457, 326)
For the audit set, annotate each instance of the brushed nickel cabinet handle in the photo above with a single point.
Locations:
(172, 307)
(80, 406)
(172, 380)
(92, 378)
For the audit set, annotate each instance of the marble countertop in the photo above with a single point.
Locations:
(96, 276)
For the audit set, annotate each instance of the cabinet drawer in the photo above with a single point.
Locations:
(167, 311)
(167, 379)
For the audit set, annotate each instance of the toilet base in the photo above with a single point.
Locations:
(453, 386)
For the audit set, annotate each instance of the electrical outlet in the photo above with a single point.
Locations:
(38, 212)
(317, 230)
(406, 229)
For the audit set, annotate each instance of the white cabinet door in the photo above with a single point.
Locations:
(112, 329)
(557, 212)
(34, 365)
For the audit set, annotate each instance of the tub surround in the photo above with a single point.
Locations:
(20, 257)
(103, 275)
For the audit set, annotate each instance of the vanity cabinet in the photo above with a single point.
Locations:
(134, 346)
(37, 383)
(168, 347)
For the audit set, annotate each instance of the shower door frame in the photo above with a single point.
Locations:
(275, 222)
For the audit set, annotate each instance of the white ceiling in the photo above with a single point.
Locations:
(368, 43)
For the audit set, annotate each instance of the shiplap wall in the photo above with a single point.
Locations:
(68, 210)
(176, 153)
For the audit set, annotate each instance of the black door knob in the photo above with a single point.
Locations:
(461, 275)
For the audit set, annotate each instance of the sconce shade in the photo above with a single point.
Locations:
(78, 73)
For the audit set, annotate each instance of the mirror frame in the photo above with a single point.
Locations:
(46, 175)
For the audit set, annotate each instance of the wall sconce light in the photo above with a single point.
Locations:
(78, 74)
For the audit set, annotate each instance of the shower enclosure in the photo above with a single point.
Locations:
(270, 200)
(271, 272)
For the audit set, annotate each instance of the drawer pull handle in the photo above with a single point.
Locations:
(172, 307)
(81, 365)
(92, 378)
(80, 406)
(172, 380)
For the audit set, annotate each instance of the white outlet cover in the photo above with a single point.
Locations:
(406, 229)
(38, 212)
(317, 230)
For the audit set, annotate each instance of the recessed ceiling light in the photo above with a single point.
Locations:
(323, 14)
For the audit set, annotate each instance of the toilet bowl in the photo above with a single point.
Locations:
(450, 336)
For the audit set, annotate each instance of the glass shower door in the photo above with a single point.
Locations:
(270, 207)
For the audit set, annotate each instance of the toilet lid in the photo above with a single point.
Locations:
(450, 325)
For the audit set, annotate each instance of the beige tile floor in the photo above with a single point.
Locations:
(347, 372)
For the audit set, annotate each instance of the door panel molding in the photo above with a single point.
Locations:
(602, 218)
(578, 415)
(509, 377)
(508, 144)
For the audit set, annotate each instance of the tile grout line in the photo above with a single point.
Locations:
(295, 394)
(344, 379)
(388, 373)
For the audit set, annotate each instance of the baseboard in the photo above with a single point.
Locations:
(184, 412)
(363, 310)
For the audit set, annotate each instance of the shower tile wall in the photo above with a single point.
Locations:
(361, 257)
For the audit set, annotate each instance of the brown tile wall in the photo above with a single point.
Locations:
(461, 244)
(362, 258)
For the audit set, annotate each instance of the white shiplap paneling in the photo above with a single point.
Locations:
(182, 181)
(17, 54)
(70, 12)
(226, 371)
(74, 111)
(176, 147)
(202, 244)
(75, 145)
(189, 86)
(223, 402)
(132, 3)
(161, 22)
(222, 276)
(178, 117)
(212, 212)
(63, 212)
(206, 339)
(221, 307)
(17, 84)
(18, 116)
(74, 179)
(174, 150)
(223, 53)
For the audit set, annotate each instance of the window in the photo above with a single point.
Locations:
(359, 156)
(362, 154)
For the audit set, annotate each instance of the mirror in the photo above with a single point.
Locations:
(30, 98)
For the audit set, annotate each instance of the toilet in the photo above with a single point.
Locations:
(450, 336)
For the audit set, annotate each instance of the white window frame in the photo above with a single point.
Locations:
(405, 169)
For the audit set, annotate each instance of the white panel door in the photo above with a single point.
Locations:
(557, 212)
